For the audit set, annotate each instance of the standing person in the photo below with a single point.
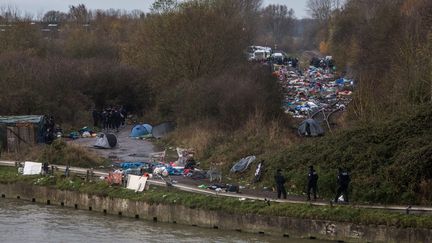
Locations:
(116, 119)
(123, 113)
(45, 168)
(343, 180)
(280, 181)
(104, 119)
(110, 119)
(312, 183)
(96, 117)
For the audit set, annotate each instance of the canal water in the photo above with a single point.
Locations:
(22, 221)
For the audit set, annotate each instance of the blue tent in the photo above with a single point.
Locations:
(148, 127)
(138, 131)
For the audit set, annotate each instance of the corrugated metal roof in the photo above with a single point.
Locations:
(35, 119)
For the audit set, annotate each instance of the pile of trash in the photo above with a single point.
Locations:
(85, 132)
(314, 90)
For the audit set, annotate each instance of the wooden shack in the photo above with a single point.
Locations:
(21, 132)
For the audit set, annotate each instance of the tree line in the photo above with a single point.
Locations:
(183, 61)
(387, 46)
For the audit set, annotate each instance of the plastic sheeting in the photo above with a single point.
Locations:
(243, 164)
(32, 168)
(21, 119)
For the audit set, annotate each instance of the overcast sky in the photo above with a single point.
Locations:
(37, 7)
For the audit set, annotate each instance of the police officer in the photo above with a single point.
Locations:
(280, 181)
(343, 180)
(312, 183)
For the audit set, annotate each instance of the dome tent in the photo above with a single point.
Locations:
(311, 128)
(148, 127)
(140, 130)
(105, 140)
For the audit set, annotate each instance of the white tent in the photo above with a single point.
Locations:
(106, 140)
(32, 168)
(136, 183)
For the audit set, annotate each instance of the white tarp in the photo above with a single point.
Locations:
(136, 183)
(32, 168)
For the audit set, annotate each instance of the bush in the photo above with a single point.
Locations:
(70, 154)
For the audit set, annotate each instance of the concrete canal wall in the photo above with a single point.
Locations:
(258, 224)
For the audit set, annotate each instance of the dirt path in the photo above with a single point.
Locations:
(127, 149)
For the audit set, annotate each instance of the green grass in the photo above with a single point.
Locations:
(390, 161)
(162, 195)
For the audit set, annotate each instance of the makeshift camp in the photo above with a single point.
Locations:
(163, 129)
(19, 132)
(141, 130)
(310, 127)
(243, 164)
(32, 168)
(136, 183)
(106, 140)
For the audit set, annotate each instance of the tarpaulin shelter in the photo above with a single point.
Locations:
(17, 132)
(106, 140)
(310, 127)
(163, 129)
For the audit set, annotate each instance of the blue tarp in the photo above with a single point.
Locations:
(127, 165)
(174, 171)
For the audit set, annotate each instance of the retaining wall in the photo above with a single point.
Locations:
(260, 224)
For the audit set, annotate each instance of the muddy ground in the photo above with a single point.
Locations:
(127, 149)
(136, 150)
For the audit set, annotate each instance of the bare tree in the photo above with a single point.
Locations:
(320, 9)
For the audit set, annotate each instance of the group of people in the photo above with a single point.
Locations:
(323, 63)
(110, 118)
(343, 180)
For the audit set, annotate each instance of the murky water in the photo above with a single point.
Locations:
(22, 221)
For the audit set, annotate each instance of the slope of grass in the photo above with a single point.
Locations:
(390, 162)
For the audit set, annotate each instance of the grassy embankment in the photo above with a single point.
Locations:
(60, 153)
(172, 196)
(390, 161)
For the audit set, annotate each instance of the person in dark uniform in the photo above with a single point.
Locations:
(96, 117)
(116, 117)
(312, 183)
(280, 181)
(343, 180)
(123, 113)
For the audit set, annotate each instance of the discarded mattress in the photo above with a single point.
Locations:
(105, 140)
(243, 164)
(32, 168)
(163, 129)
(136, 183)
